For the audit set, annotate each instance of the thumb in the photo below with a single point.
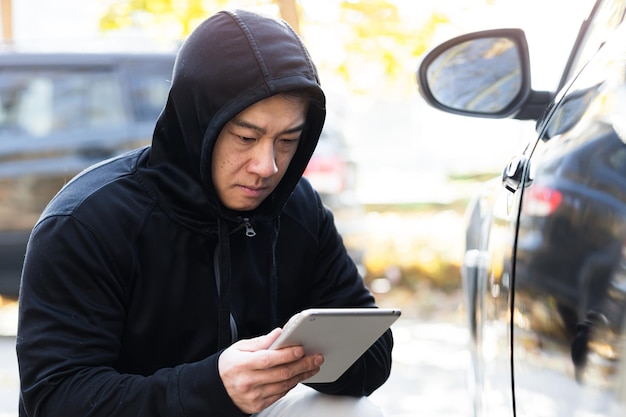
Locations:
(258, 343)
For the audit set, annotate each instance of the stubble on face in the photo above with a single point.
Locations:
(254, 150)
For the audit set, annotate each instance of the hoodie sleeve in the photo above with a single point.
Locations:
(69, 337)
(372, 369)
(337, 283)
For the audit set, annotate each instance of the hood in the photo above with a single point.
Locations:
(231, 61)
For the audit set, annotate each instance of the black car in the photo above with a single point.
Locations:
(59, 114)
(544, 271)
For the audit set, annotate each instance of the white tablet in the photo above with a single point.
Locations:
(341, 335)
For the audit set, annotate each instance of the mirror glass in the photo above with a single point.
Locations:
(481, 75)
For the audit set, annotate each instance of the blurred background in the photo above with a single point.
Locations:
(397, 173)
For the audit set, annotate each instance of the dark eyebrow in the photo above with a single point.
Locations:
(248, 125)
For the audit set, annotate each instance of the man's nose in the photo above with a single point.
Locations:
(264, 160)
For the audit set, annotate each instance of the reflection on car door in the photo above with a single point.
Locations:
(487, 284)
(569, 277)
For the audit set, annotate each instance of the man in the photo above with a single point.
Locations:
(154, 283)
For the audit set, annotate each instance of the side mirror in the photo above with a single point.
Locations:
(481, 74)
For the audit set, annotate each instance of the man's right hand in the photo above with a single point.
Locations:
(255, 377)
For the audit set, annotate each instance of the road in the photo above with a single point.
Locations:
(428, 376)
(429, 371)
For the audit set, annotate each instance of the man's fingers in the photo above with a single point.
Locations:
(258, 343)
(255, 376)
(295, 371)
(267, 393)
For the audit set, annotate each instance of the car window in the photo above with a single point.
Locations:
(605, 20)
(41, 102)
(149, 85)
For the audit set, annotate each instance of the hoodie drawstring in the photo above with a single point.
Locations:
(227, 327)
(222, 277)
(274, 275)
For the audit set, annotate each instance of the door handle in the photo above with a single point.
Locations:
(514, 172)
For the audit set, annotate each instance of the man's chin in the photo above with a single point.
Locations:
(246, 205)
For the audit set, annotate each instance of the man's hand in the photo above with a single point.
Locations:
(256, 377)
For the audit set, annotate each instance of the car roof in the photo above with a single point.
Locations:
(79, 58)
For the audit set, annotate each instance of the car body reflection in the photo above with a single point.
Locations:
(544, 273)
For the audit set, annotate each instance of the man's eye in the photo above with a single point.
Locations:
(246, 139)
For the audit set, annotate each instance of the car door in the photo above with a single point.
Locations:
(569, 292)
(486, 278)
(514, 313)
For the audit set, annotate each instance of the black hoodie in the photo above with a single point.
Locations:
(136, 277)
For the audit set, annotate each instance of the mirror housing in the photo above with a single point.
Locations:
(482, 74)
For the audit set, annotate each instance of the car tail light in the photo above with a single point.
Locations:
(327, 174)
(328, 164)
(541, 201)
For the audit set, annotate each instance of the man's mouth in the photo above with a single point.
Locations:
(252, 191)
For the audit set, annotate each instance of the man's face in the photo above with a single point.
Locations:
(254, 149)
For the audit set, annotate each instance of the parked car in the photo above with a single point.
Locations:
(331, 170)
(544, 272)
(60, 113)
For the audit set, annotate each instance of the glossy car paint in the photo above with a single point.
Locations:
(569, 306)
(544, 271)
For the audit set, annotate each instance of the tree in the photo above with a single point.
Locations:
(372, 35)
(183, 15)
(289, 13)
(378, 37)
(6, 13)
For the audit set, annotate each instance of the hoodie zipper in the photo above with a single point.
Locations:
(249, 229)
